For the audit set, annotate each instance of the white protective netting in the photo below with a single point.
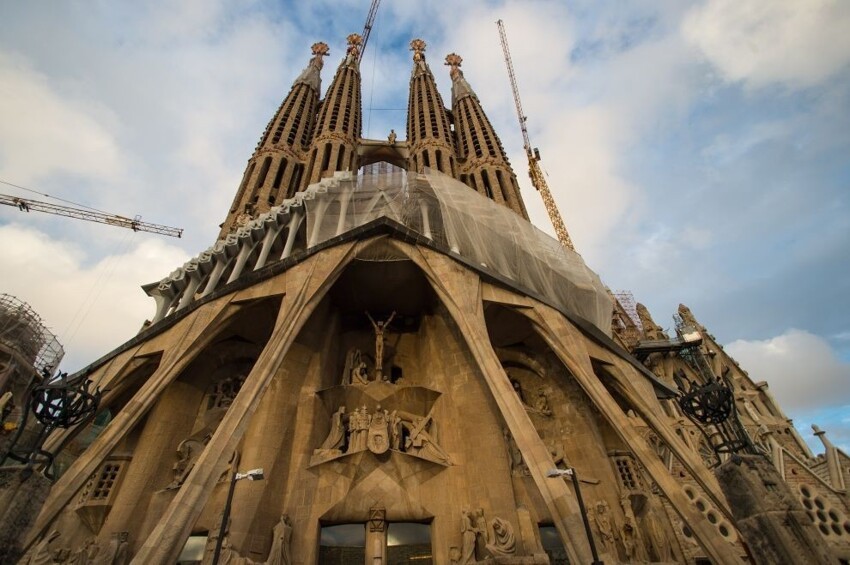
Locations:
(454, 216)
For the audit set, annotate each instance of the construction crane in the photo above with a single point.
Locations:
(534, 170)
(367, 29)
(135, 224)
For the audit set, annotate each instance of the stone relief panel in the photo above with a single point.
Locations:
(380, 417)
(481, 540)
(217, 400)
(98, 493)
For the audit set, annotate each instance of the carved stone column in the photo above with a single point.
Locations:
(376, 536)
(774, 525)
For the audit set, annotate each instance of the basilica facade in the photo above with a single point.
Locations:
(420, 375)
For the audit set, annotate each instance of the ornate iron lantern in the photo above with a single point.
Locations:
(711, 406)
(56, 402)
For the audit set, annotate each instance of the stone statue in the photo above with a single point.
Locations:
(115, 552)
(469, 533)
(392, 137)
(336, 437)
(503, 542)
(395, 430)
(84, 554)
(656, 535)
(281, 551)
(188, 452)
(228, 556)
(751, 410)
(482, 534)
(602, 518)
(420, 443)
(517, 386)
(360, 432)
(629, 532)
(378, 440)
(379, 328)
(518, 466)
(353, 423)
(355, 368)
(541, 403)
(122, 553)
(41, 553)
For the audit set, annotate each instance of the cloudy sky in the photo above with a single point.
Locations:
(699, 151)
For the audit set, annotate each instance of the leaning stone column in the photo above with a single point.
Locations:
(21, 497)
(776, 528)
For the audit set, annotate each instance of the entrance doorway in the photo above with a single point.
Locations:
(396, 543)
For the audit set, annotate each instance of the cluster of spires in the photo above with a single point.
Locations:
(311, 138)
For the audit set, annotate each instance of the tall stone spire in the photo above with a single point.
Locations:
(429, 133)
(338, 127)
(276, 168)
(482, 163)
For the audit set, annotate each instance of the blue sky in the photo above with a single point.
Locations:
(698, 150)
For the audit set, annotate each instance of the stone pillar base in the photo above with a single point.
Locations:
(770, 519)
(20, 502)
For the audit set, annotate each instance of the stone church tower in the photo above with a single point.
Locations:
(416, 369)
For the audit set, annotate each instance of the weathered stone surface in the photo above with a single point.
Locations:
(20, 500)
(774, 525)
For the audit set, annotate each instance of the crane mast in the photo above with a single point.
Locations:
(367, 29)
(135, 224)
(534, 171)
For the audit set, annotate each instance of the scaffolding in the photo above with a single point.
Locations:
(627, 301)
(23, 332)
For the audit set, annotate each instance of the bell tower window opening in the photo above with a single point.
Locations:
(295, 180)
(264, 171)
(340, 159)
(500, 179)
(242, 188)
(310, 167)
(485, 178)
(284, 117)
(281, 168)
(326, 158)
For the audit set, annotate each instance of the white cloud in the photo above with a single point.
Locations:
(762, 42)
(92, 309)
(43, 131)
(801, 368)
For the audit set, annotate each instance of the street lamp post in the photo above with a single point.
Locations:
(571, 472)
(252, 475)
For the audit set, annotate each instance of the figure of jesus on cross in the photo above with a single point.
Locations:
(379, 328)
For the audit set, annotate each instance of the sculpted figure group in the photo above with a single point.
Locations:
(640, 540)
(113, 552)
(379, 431)
(480, 541)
